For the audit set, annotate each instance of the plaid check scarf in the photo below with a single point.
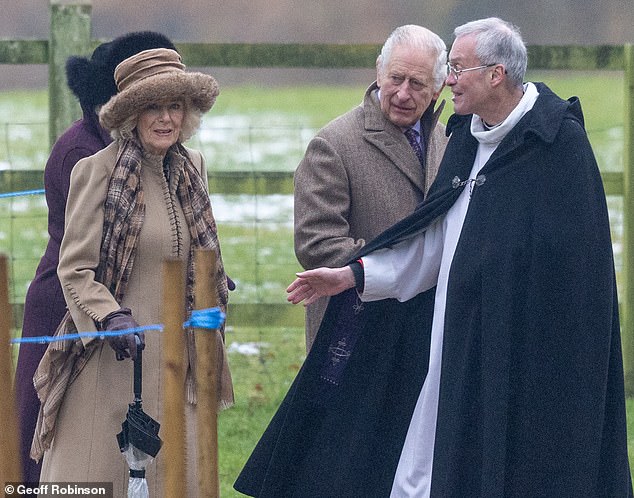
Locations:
(124, 212)
(123, 219)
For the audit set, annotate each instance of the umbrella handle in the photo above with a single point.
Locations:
(138, 371)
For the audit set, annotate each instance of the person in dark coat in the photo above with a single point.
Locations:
(92, 82)
(489, 360)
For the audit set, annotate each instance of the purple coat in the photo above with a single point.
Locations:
(45, 306)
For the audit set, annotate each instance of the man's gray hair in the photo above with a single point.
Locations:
(498, 42)
(419, 38)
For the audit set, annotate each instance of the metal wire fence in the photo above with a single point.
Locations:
(255, 228)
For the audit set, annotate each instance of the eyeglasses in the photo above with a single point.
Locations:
(457, 72)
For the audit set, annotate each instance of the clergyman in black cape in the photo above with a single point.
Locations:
(530, 396)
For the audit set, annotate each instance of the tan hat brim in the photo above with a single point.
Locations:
(199, 89)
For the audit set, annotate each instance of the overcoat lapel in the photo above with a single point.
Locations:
(442, 195)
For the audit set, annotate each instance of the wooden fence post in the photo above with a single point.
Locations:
(70, 35)
(206, 380)
(174, 430)
(627, 297)
(10, 469)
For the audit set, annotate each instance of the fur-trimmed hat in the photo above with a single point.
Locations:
(92, 80)
(155, 76)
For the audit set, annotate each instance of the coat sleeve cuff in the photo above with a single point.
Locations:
(359, 277)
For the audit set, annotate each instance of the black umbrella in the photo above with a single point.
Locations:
(138, 439)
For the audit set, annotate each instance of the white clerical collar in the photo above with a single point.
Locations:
(495, 134)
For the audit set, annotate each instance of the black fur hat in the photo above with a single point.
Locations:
(92, 80)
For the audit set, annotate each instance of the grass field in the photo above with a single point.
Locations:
(258, 128)
(261, 381)
(254, 128)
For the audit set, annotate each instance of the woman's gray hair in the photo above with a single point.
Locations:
(192, 118)
(498, 42)
(419, 38)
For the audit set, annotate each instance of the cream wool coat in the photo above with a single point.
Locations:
(85, 447)
(358, 177)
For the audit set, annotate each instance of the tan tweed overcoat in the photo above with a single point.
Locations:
(85, 447)
(358, 177)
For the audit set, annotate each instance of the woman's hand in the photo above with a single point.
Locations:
(310, 285)
(125, 346)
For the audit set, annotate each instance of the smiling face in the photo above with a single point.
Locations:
(159, 126)
(407, 85)
(471, 90)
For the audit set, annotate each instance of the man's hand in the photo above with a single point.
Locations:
(310, 285)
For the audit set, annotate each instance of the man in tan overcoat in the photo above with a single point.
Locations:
(361, 174)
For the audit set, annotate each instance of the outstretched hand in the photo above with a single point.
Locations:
(310, 285)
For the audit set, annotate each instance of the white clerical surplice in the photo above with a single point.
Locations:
(414, 266)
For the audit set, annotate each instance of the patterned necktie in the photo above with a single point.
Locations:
(412, 138)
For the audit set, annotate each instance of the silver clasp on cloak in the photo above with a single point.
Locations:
(473, 182)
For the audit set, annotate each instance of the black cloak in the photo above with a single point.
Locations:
(531, 396)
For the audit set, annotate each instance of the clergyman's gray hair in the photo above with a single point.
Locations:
(420, 38)
(498, 42)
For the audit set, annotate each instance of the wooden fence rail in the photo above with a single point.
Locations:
(70, 35)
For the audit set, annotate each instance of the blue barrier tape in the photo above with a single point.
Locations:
(104, 333)
(210, 318)
(23, 192)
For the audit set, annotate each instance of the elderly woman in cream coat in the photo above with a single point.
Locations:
(141, 200)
